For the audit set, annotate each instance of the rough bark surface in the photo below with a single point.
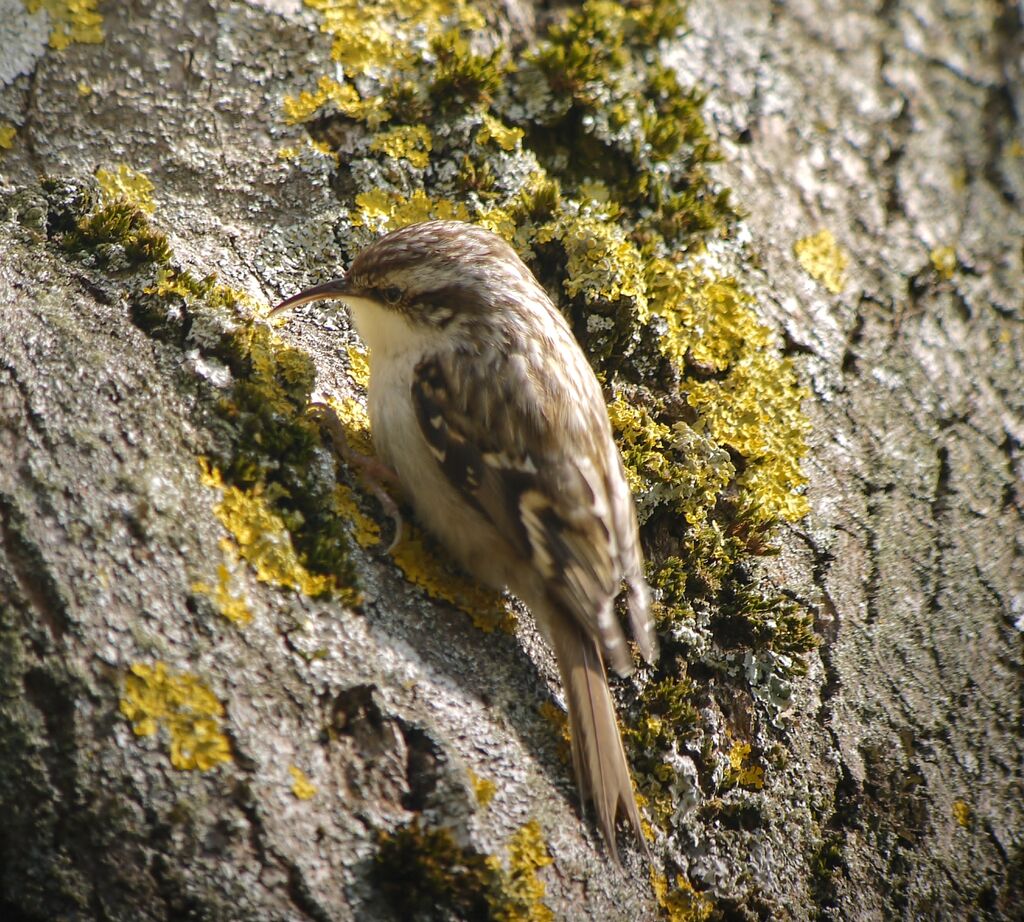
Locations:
(894, 124)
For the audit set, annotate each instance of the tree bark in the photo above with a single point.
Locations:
(899, 788)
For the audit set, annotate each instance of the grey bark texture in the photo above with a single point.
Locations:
(895, 124)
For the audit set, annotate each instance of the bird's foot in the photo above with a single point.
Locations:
(373, 473)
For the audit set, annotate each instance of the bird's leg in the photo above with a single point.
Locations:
(373, 473)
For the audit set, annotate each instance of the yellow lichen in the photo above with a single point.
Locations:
(661, 468)
(603, 266)
(483, 789)
(183, 705)
(374, 34)
(421, 566)
(352, 415)
(366, 531)
(962, 813)
(643, 443)
(70, 21)
(233, 607)
(594, 191)
(410, 142)
(302, 787)
(742, 774)
(494, 130)
(419, 866)
(823, 259)
(358, 366)
(343, 96)
(745, 393)
(127, 185)
(319, 148)
(643, 804)
(944, 261)
(559, 721)
(387, 211)
(7, 133)
(260, 537)
(756, 411)
(378, 37)
(524, 890)
(681, 903)
(84, 89)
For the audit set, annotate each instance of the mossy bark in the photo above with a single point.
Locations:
(901, 753)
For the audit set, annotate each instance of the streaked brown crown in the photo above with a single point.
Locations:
(443, 267)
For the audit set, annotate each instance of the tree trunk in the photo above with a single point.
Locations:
(225, 701)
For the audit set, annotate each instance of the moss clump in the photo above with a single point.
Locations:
(747, 618)
(461, 78)
(667, 719)
(425, 874)
(597, 105)
(111, 232)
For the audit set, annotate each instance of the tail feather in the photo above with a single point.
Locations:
(598, 758)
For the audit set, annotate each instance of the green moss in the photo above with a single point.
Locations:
(461, 78)
(425, 874)
(113, 233)
(668, 717)
(747, 618)
(598, 105)
(827, 868)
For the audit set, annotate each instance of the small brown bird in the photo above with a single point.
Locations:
(484, 404)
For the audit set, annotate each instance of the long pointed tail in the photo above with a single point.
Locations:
(598, 758)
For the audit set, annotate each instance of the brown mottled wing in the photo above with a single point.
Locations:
(552, 501)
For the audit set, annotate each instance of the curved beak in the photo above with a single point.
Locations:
(332, 290)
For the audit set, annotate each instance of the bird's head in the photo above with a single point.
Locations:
(431, 274)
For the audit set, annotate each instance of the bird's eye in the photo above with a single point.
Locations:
(392, 294)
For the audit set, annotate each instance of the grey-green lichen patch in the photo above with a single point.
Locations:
(23, 39)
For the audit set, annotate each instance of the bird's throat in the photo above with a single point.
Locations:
(387, 332)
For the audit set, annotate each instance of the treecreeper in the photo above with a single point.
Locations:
(486, 408)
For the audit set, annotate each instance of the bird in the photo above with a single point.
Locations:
(484, 405)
